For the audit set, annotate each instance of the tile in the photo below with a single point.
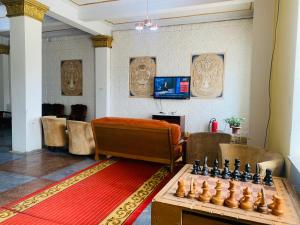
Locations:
(145, 217)
(10, 180)
(60, 174)
(6, 156)
(40, 163)
(22, 190)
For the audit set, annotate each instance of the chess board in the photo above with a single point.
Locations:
(166, 198)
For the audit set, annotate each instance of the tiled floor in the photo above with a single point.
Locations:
(22, 174)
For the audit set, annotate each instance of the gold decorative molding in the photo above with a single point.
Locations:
(4, 49)
(102, 41)
(31, 8)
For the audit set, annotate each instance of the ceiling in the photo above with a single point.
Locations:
(102, 16)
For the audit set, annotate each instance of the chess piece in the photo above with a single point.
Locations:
(226, 173)
(180, 192)
(196, 167)
(245, 202)
(271, 205)
(268, 179)
(217, 199)
(246, 176)
(278, 206)
(256, 176)
(258, 199)
(236, 173)
(205, 167)
(231, 201)
(262, 206)
(192, 191)
(215, 172)
(205, 196)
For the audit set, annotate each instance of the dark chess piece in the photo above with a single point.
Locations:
(268, 179)
(196, 167)
(205, 167)
(226, 173)
(246, 176)
(236, 175)
(215, 172)
(256, 176)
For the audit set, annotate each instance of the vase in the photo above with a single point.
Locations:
(235, 130)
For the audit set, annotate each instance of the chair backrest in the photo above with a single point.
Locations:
(200, 145)
(245, 153)
(54, 131)
(58, 110)
(78, 112)
(47, 109)
(81, 139)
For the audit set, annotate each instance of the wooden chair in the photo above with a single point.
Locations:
(81, 139)
(251, 154)
(200, 145)
(78, 112)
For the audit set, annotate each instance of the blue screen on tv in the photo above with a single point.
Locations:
(172, 87)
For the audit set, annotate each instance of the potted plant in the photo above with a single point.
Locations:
(235, 123)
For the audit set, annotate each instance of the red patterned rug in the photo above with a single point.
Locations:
(110, 192)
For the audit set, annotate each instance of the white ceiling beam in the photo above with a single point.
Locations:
(135, 8)
(69, 13)
(193, 20)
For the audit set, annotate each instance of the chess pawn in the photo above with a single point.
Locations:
(271, 205)
(231, 201)
(217, 199)
(277, 209)
(192, 191)
(258, 199)
(180, 192)
(205, 196)
(246, 203)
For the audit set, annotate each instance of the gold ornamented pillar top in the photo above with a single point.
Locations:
(4, 49)
(102, 41)
(31, 8)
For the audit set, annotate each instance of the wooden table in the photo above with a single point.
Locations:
(167, 209)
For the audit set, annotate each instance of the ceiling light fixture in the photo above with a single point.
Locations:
(147, 23)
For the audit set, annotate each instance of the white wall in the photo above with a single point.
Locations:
(67, 48)
(173, 47)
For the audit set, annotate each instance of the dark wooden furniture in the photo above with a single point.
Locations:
(78, 112)
(147, 140)
(177, 119)
(5, 119)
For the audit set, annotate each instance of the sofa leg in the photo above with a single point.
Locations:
(97, 157)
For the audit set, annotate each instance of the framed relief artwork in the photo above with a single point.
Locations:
(142, 71)
(207, 75)
(71, 77)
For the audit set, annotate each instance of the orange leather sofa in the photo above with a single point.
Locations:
(143, 139)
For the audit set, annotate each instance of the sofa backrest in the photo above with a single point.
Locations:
(151, 138)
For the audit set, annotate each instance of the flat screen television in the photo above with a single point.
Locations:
(172, 87)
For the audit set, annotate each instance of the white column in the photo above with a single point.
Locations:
(263, 30)
(26, 72)
(26, 82)
(102, 46)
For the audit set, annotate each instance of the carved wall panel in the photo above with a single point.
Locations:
(71, 77)
(142, 71)
(207, 74)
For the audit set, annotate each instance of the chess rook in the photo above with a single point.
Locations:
(180, 192)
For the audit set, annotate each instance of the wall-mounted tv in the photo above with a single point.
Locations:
(172, 87)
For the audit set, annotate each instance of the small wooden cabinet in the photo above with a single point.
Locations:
(177, 119)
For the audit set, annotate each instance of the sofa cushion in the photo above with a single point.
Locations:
(143, 123)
